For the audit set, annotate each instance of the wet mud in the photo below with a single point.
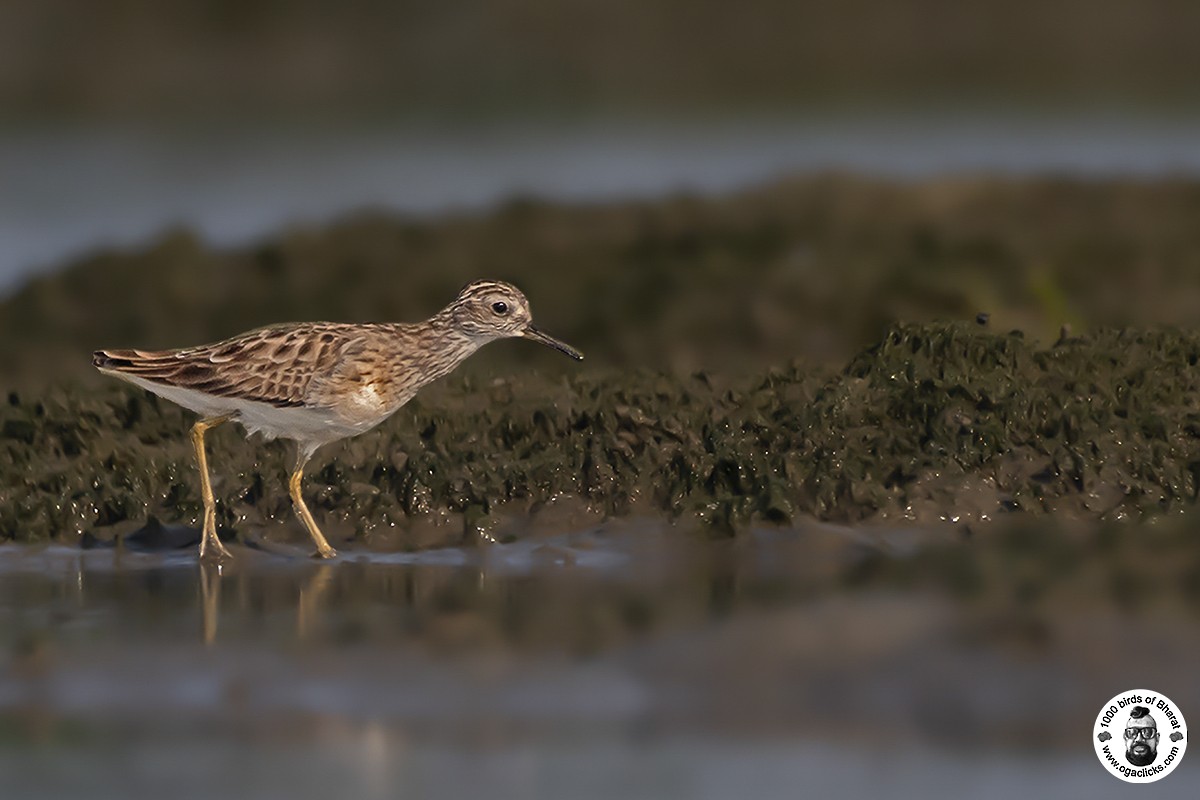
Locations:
(745, 365)
(936, 422)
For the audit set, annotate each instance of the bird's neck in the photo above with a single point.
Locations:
(440, 346)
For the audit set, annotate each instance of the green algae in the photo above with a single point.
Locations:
(945, 421)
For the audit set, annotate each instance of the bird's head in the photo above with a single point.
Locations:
(487, 310)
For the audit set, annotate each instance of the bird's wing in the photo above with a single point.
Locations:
(276, 365)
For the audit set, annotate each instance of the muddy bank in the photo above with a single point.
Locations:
(933, 422)
(743, 365)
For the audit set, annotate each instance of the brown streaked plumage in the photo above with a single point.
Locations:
(318, 382)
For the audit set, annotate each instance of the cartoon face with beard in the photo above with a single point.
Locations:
(1141, 737)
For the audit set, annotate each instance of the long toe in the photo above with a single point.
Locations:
(212, 551)
(216, 554)
(327, 553)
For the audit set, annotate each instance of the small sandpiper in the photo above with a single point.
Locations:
(318, 382)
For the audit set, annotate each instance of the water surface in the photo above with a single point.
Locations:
(630, 660)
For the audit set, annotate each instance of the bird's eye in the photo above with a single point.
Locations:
(500, 307)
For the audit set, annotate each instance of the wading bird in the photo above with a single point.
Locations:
(317, 382)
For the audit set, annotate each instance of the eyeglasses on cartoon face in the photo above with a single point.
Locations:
(1145, 733)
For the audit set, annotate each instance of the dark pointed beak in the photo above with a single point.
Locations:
(562, 347)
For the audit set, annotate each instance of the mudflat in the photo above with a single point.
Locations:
(855, 470)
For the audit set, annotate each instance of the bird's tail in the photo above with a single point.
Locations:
(133, 362)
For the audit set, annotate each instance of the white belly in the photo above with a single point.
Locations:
(309, 425)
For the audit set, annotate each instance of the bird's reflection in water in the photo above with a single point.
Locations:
(210, 599)
(309, 594)
(375, 599)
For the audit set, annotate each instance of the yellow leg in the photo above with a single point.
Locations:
(323, 548)
(210, 545)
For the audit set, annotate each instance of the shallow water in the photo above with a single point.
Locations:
(631, 660)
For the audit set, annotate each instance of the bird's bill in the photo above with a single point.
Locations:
(562, 347)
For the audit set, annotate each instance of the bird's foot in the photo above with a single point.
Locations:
(213, 552)
(325, 552)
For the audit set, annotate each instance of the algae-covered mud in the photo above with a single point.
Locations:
(746, 363)
(934, 422)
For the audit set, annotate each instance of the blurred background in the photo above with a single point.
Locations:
(122, 117)
(679, 186)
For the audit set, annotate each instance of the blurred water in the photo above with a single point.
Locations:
(69, 190)
(630, 661)
(372, 762)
